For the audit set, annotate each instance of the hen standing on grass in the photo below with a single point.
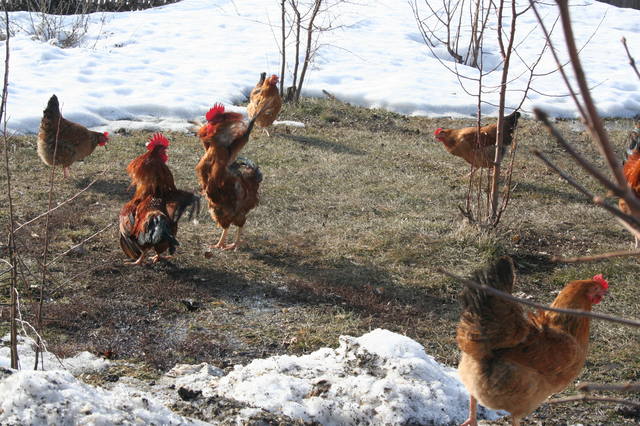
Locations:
(74, 141)
(463, 142)
(631, 169)
(511, 360)
(265, 92)
(150, 219)
(230, 184)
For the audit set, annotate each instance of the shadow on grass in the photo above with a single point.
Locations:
(323, 144)
(366, 289)
(116, 189)
(528, 188)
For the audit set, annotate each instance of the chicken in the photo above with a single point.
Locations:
(230, 184)
(632, 169)
(150, 219)
(74, 141)
(511, 360)
(266, 91)
(463, 142)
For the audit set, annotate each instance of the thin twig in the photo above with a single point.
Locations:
(595, 257)
(512, 298)
(79, 244)
(632, 61)
(585, 398)
(76, 195)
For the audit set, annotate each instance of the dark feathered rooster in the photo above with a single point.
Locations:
(150, 219)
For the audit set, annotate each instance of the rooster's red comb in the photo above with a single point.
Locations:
(157, 139)
(438, 130)
(106, 135)
(214, 111)
(600, 280)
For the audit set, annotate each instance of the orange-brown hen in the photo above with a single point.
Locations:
(74, 141)
(464, 143)
(632, 169)
(265, 92)
(150, 219)
(512, 360)
(230, 184)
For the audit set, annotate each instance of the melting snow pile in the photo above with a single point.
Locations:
(55, 396)
(379, 378)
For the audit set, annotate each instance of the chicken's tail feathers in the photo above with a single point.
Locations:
(510, 124)
(157, 230)
(186, 201)
(52, 111)
(261, 111)
(263, 76)
(489, 322)
(129, 247)
(500, 275)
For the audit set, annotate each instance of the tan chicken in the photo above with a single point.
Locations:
(463, 142)
(74, 141)
(513, 360)
(265, 92)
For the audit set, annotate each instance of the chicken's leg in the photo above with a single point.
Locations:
(223, 239)
(234, 246)
(140, 260)
(66, 171)
(473, 413)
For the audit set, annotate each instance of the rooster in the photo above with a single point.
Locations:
(266, 91)
(230, 184)
(63, 142)
(150, 219)
(631, 169)
(479, 153)
(512, 360)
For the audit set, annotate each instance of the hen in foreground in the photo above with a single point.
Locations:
(74, 141)
(511, 360)
(265, 92)
(631, 169)
(230, 184)
(150, 219)
(464, 143)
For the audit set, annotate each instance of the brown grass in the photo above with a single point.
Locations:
(358, 210)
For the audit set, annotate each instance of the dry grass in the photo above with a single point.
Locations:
(358, 210)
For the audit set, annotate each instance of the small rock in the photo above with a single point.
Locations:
(188, 394)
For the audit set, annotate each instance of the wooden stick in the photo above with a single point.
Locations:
(595, 257)
(583, 398)
(627, 387)
(632, 61)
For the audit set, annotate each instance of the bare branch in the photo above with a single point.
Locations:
(512, 298)
(80, 243)
(632, 61)
(76, 195)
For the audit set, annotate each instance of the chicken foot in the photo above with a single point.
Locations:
(222, 243)
(473, 413)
